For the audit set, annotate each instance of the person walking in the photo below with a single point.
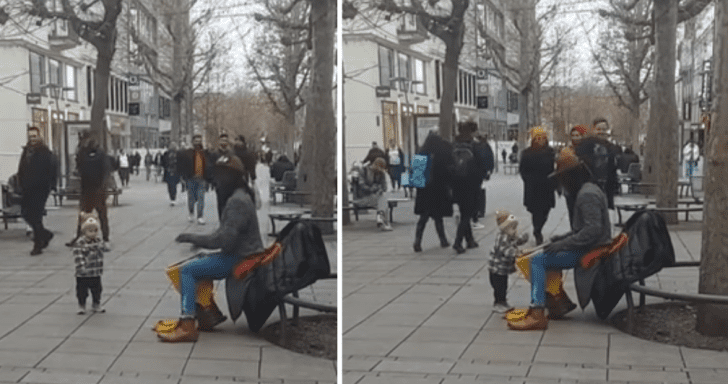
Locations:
(169, 163)
(36, 177)
(124, 167)
(599, 155)
(88, 255)
(95, 168)
(467, 170)
(435, 199)
(484, 153)
(395, 165)
(148, 163)
(537, 162)
(194, 166)
(237, 237)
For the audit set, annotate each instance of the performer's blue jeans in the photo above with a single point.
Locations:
(543, 262)
(196, 194)
(214, 266)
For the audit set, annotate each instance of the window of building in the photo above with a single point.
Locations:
(405, 67)
(37, 73)
(55, 72)
(70, 83)
(421, 87)
(386, 67)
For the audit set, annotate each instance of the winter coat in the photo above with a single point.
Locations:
(370, 182)
(94, 166)
(435, 200)
(373, 154)
(238, 234)
(249, 160)
(648, 250)
(503, 256)
(186, 162)
(88, 257)
(600, 156)
(169, 163)
(37, 170)
(538, 189)
(278, 168)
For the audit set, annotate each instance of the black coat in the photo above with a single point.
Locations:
(278, 168)
(538, 188)
(185, 164)
(647, 251)
(435, 200)
(37, 170)
(601, 158)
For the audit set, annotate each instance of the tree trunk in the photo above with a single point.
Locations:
(101, 86)
(663, 111)
(449, 77)
(713, 319)
(320, 148)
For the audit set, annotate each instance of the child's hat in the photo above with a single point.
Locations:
(89, 223)
(505, 219)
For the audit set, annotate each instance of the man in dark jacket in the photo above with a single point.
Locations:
(466, 186)
(599, 155)
(537, 162)
(169, 163)
(94, 167)
(281, 166)
(36, 176)
(247, 157)
(374, 153)
(590, 228)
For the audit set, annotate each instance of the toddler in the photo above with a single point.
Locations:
(89, 258)
(503, 258)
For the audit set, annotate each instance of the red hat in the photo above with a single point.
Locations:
(580, 128)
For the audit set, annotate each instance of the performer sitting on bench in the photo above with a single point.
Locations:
(590, 228)
(238, 237)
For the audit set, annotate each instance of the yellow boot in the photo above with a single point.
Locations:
(535, 319)
(186, 330)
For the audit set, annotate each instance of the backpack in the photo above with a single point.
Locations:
(92, 167)
(463, 160)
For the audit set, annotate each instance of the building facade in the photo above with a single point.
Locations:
(48, 82)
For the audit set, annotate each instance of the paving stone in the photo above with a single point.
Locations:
(700, 358)
(552, 371)
(127, 364)
(279, 363)
(12, 374)
(496, 369)
(573, 355)
(428, 349)
(398, 379)
(60, 377)
(414, 366)
(230, 368)
(648, 376)
(484, 352)
(77, 361)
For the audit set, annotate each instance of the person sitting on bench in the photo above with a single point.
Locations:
(371, 188)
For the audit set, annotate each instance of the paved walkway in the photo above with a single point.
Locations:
(43, 340)
(427, 317)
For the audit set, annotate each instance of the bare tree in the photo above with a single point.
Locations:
(625, 59)
(281, 58)
(94, 22)
(662, 155)
(713, 319)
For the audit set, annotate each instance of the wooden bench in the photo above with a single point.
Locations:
(356, 209)
(289, 196)
(391, 204)
(7, 216)
(74, 194)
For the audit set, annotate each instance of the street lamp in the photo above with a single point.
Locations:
(406, 85)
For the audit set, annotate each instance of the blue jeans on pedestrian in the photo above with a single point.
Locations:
(543, 262)
(213, 266)
(196, 193)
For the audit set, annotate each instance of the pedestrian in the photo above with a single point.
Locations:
(248, 158)
(171, 176)
(537, 162)
(503, 257)
(148, 163)
(484, 153)
(467, 171)
(281, 166)
(88, 254)
(504, 154)
(370, 190)
(136, 161)
(577, 134)
(36, 178)
(194, 166)
(158, 169)
(599, 155)
(94, 168)
(237, 237)
(435, 199)
(395, 164)
(374, 153)
(124, 167)
(590, 228)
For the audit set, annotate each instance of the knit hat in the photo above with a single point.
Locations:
(566, 161)
(231, 162)
(505, 219)
(91, 222)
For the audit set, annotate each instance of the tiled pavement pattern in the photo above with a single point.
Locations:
(43, 340)
(426, 318)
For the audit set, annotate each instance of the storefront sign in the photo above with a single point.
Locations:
(32, 98)
(382, 91)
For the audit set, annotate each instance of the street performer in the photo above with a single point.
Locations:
(238, 237)
(590, 227)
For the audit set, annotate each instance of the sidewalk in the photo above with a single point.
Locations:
(421, 318)
(43, 340)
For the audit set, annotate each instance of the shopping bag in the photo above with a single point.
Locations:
(420, 171)
(405, 179)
